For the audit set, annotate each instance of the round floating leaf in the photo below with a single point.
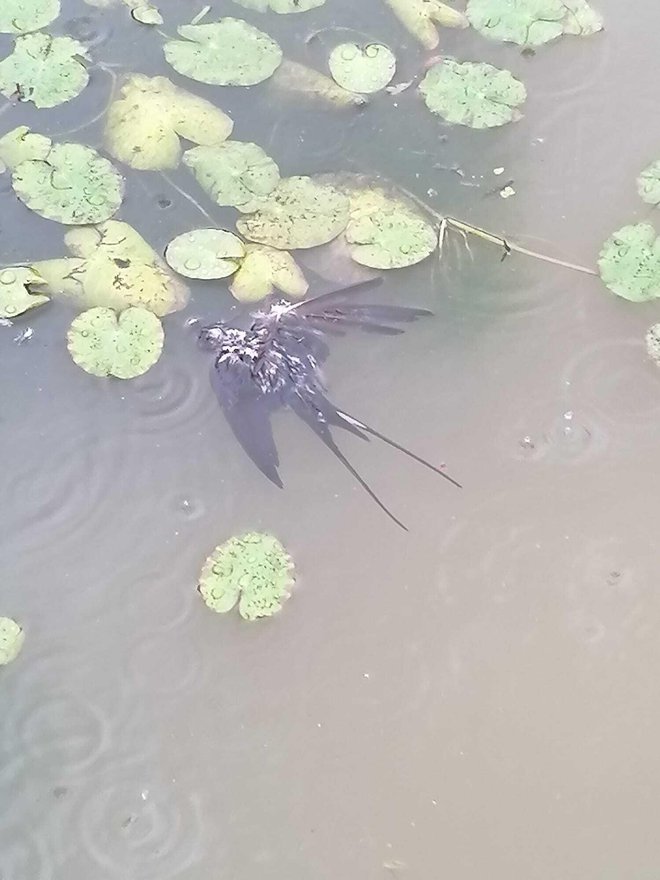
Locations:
(235, 174)
(648, 184)
(532, 22)
(630, 263)
(23, 16)
(299, 213)
(253, 567)
(229, 52)
(385, 233)
(16, 296)
(113, 267)
(11, 640)
(21, 144)
(653, 343)
(294, 78)
(362, 68)
(264, 270)
(205, 253)
(74, 185)
(478, 95)
(45, 70)
(145, 123)
(103, 344)
(283, 7)
(418, 16)
(147, 14)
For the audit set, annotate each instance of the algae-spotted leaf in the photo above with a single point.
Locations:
(234, 174)
(629, 263)
(45, 70)
(23, 16)
(532, 22)
(252, 569)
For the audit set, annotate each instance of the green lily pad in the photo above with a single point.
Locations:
(147, 14)
(74, 185)
(47, 70)
(419, 17)
(124, 346)
(11, 640)
(264, 270)
(145, 123)
(234, 174)
(297, 79)
(112, 266)
(653, 343)
(229, 52)
(386, 233)
(16, 295)
(283, 7)
(21, 144)
(205, 253)
(299, 213)
(364, 69)
(477, 95)
(629, 263)
(254, 568)
(648, 184)
(532, 22)
(23, 16)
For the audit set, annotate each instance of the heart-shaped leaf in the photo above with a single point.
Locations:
(205, 253)
(124, 346)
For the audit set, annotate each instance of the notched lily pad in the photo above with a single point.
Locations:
(419, 17)
(297, 79)
(234, 174)
(205, 253)
(23, 16)
(21, 144)
(264, 270)
(364, 69)
(145, 123)
(299, 213)
(45, 70)
(283, 7)
(16, 294)
(124, 346)
(11, 640)
(648, 184)
(113, 266)
(229, 52)
(254, 570)
(629, 263)
(72, 185)
(477, 95)
(532, 22)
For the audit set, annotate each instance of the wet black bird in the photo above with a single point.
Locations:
(277, 362)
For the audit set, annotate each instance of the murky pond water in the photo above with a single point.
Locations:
(473, 697)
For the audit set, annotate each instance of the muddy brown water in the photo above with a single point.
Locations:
(475, 698)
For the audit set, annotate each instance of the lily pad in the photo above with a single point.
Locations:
(364, 69)
(23, 16)
(46, 70)
(386, 233)
(419, 17)
(297, 79)
(532, 22)
(11, 640)
(264, 270)
(205, 253)
(147, 14)
(234, 174)
(21, 144)
(629, 263)
(477, 95)
(299, 213)
(73, 185)
(648, 184)
(653, 343)
(145, 123)
(16, 295)
(124, 346)
(283, 7)
(253, 568)
(229, 52)
(113, 266)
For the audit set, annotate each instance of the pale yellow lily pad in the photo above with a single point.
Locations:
(205, 253)
(264, 270)
(145, 124)
(234, 174)
(420, 17)
(21, 144)
(16, 294)
(297, 79)
(12, 637)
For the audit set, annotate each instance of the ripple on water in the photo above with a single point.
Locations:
(173, 398)
(134, 828)
(25, 856)
(569, 438)
(91, 30)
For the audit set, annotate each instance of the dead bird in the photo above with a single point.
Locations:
(277, 362)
